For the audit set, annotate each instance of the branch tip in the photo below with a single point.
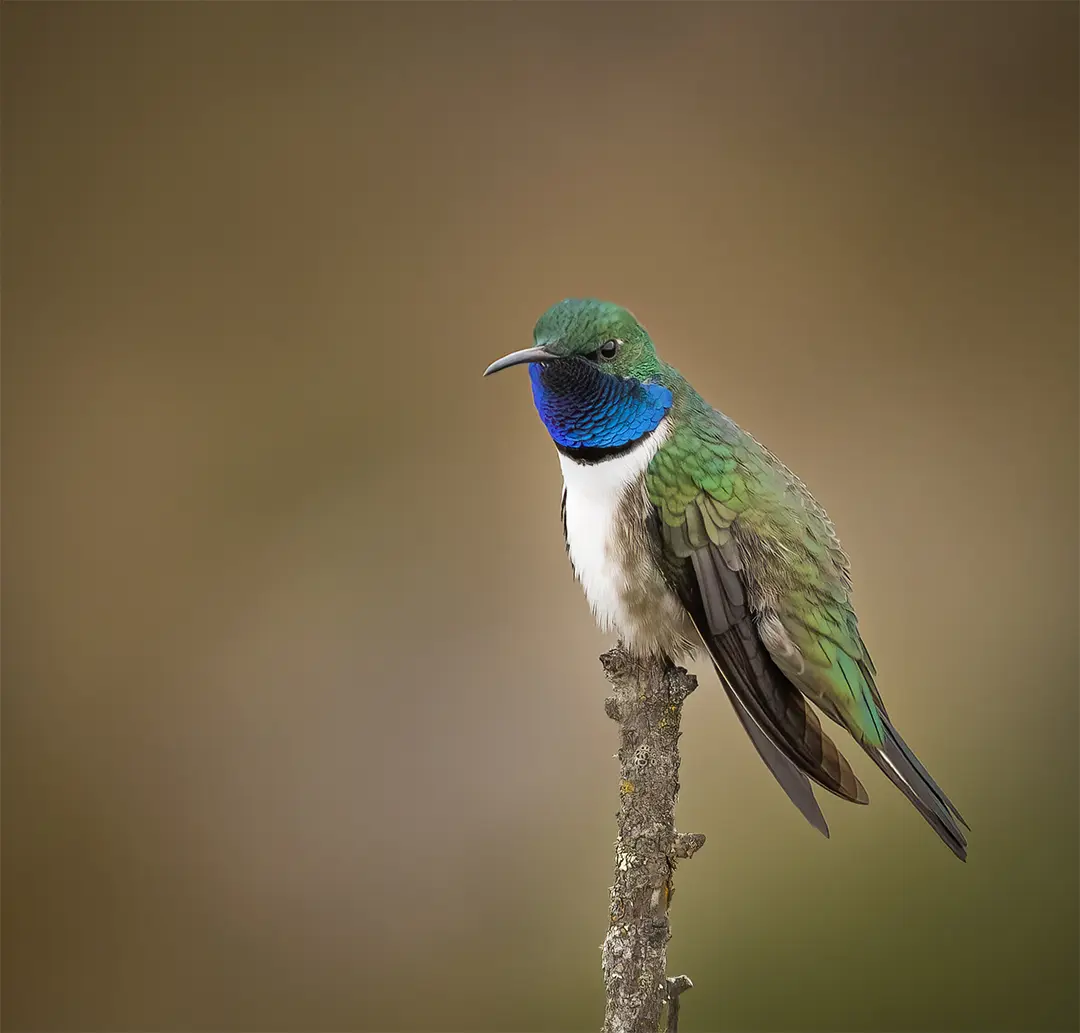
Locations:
(675, 986)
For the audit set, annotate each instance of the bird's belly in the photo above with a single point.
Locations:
(608, 543)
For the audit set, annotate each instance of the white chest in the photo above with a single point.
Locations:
(619, 583)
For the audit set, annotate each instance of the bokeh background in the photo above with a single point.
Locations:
(302, 718)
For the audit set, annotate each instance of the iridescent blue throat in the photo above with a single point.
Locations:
(592, 415)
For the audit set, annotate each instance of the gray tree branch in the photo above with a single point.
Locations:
(646, 700)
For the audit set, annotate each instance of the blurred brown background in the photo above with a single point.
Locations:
(303, 723)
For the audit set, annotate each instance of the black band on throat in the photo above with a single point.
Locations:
(589, 456)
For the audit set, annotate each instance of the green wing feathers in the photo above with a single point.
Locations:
(759, 568)
(721, 488)
(702, 559)
(826, 664)
(691, 468)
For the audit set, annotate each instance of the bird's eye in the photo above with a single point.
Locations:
(608, 350)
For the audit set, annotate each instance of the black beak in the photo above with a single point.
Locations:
(516, 358)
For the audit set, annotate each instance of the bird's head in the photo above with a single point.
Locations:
(600, 332)
(594, 374)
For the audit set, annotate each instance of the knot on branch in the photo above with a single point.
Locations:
(686, 844)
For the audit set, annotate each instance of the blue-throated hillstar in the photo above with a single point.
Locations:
(683, 531)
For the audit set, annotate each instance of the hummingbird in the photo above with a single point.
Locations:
(685, 532)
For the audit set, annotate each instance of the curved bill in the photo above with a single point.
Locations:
(516, 358)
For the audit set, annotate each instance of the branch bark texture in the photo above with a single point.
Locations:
(646, 700)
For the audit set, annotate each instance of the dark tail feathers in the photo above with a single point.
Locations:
(903, 769)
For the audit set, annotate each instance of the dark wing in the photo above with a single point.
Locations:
(791, 779)
(703, 568)
(702, 482)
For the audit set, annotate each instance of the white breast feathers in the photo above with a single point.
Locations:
(595, 495)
